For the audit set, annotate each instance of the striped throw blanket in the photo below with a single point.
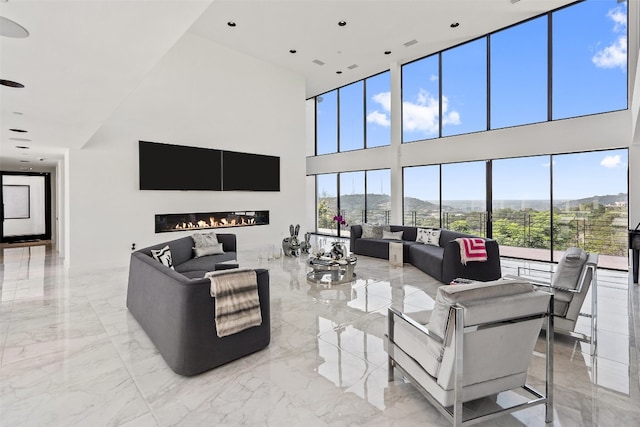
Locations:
(472, 249)
(237, 305)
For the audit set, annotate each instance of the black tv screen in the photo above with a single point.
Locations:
(250, 172)
(178, 167)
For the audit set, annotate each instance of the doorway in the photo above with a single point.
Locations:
(25, 207)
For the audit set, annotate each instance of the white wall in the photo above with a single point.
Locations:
(200, 94)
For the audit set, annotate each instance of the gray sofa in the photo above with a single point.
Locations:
(441, 262)
(176, 310)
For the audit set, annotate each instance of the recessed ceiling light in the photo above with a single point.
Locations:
(387, 52)
(338, 72)
(18, 113)
(455, 24)
(11, 83)
(18, 130)
(318, 62)
(9, 28)
(342, 23)
(231, 24)
(22, 147)
(25, 161)
(292, 51)
(20, 139)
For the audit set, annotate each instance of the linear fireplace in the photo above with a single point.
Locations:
(200, 221)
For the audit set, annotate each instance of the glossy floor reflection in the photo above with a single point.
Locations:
(71, 354)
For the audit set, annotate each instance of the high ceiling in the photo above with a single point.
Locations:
(83, 58)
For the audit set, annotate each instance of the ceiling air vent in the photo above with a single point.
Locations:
(318, 62)
(351, 67)
(411, 43)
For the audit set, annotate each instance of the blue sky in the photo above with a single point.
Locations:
(589, 76)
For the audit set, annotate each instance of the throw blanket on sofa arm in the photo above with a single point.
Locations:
(472, 249)
(237, 304)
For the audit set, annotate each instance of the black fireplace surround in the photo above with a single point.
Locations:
(207, 220)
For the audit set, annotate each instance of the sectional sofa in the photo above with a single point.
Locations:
(441, 262)
(176, 310)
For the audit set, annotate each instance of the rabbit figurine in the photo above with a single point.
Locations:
(306, 245)
(291, 245)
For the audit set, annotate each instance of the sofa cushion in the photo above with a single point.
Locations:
(205, 263)
(427, 258)
(207, 250)
(428, 236)
(163, 256)
(372, 231)
(392, 235)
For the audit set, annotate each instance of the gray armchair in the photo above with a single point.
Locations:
(573, 278)
(477, 342)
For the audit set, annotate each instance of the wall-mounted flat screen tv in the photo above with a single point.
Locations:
(178, 167)
(250, 172)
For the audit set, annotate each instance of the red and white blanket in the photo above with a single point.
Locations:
(472, 249)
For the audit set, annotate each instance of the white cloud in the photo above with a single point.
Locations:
(548, 164)
(377, 117)
(422, 115)
(615, 54)
(612, 56)
(433, 77)
(611, 161)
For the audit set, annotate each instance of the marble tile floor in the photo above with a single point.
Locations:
(72, 355)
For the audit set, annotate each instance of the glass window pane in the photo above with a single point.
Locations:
(352, 116)
(589, 58)
(522, 207)
(327, 123)
(378, 196)
(590, 204)
(420, 100)
(519, 74)
(464, 197)
(421, 201)
(464, 88)
(352, 205)
(379, 110)
(326, 202)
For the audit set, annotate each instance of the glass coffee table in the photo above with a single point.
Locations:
(329, 271)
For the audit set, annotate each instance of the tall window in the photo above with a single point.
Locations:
(326, 203)
(351, 123)
(464, 197)
(352, 203)
(327, 123)
(589, 58)
(464, 88)
(522, 206)
(422, 196)
(590, 201)
(378, 105)
(378, 201)
(519, 74)
(420, 100)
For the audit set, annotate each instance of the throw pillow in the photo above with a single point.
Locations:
(208, 250)
(163, 256)
(203, 240)
(392, 235)
(422, 235)
(370, 231)
(434, 237)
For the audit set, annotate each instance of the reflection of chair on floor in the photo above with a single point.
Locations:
(574, 276)
(478, 341)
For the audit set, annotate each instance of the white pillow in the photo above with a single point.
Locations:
(370, 231)
(392, 235)
(203, 240)
(208, 250)
(163, 256)
(422, 235)
(434, 237)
